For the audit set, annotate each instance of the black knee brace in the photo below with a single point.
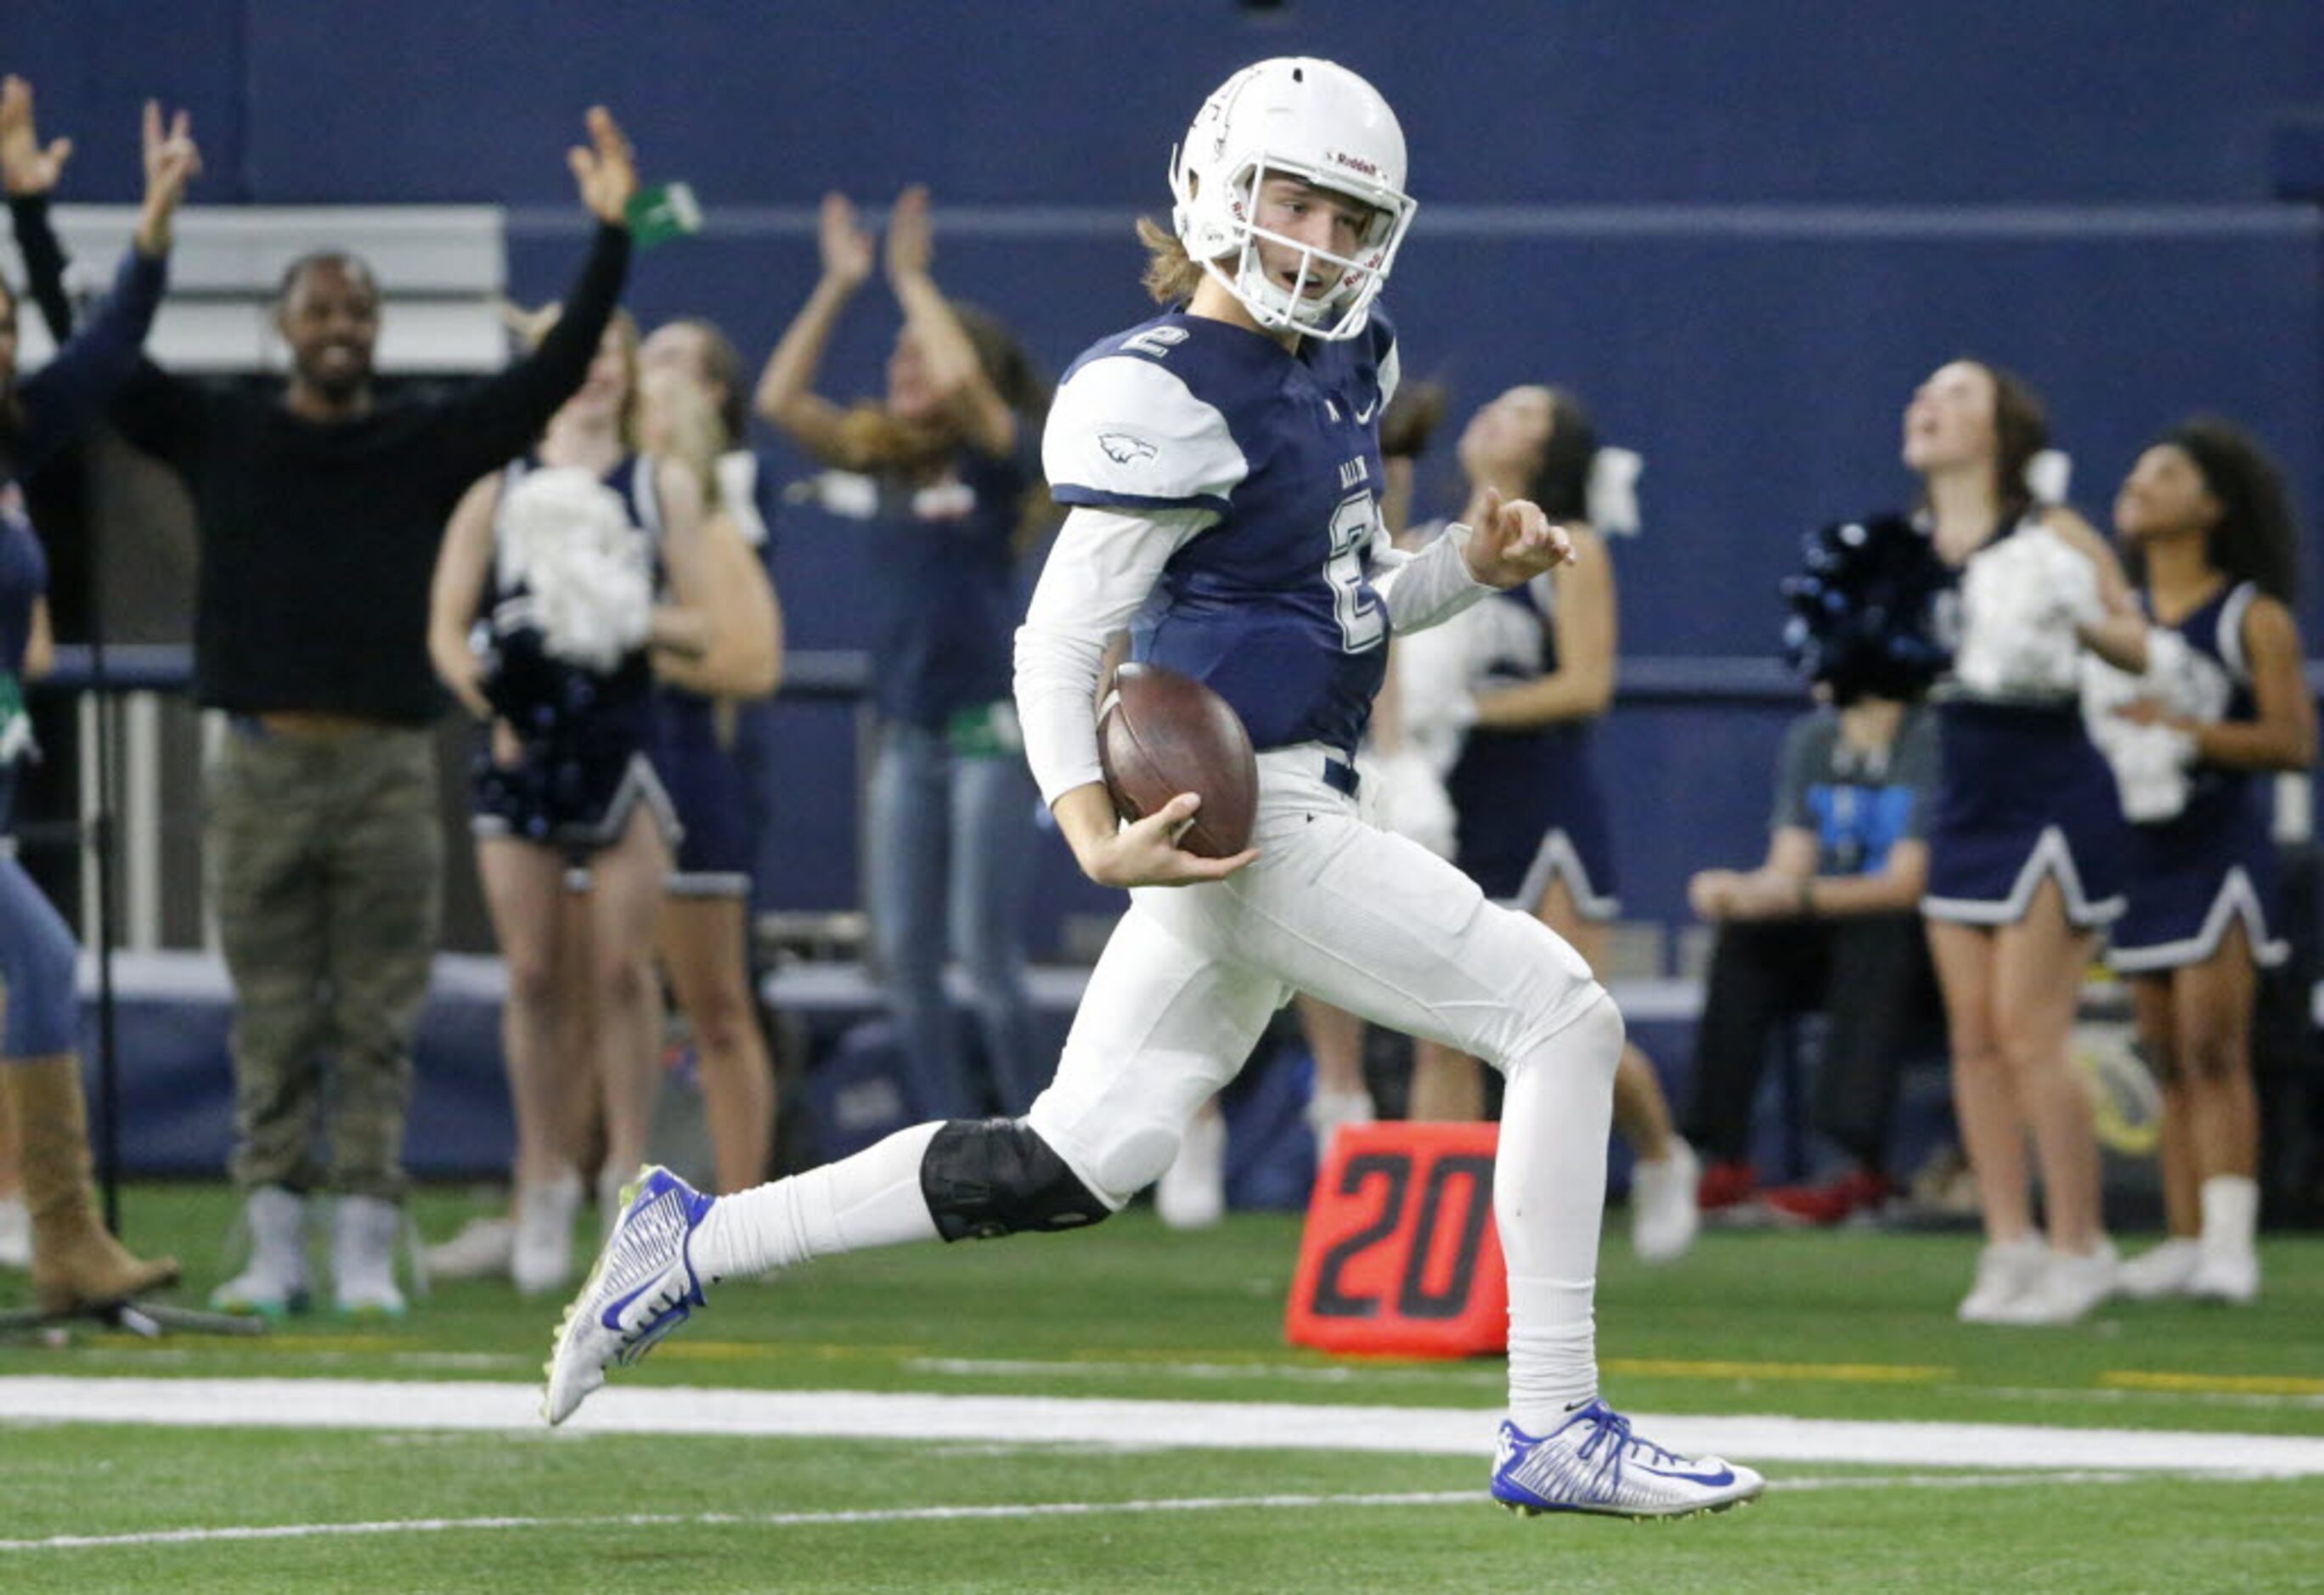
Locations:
(986, 1177)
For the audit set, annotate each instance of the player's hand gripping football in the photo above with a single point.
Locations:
(1513, 541)
(1144, 852)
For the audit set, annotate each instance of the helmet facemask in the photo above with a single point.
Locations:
(1322, 125)
(1339, 313)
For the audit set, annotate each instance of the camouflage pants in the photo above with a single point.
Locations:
(324, 858)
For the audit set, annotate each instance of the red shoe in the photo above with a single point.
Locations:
(1727, 1184)
(1835, 1202)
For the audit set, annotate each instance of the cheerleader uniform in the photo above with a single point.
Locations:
(1531, 811)
(2214, 862)
(583, 769)
(2022, 796)
(697, 764)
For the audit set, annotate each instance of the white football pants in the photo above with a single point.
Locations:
(1365, 920)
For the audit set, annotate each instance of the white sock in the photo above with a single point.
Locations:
(872, 1199)
(2230, 1214)
(1549, 1196)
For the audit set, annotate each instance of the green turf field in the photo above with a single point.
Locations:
(1821, 1327)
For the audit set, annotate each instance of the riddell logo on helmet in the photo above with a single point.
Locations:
(1355, 163)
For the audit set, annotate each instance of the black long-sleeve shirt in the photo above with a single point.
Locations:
(44, 261)
(67, 395)
(318, 537)
(56, 404)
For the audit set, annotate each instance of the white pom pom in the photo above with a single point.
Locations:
(2049, 474)
(2021, 599)
(568, 537)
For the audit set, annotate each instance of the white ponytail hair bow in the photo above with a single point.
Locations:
(2048, 474)
(1611, 493)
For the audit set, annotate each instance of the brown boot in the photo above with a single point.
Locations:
(76, 1264)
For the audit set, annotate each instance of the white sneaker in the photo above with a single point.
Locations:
(273, 1284)
(541, 1252)
(2070, 1285)
(1329, 1109)
(364, 1233)
(2161, 1271)
(2230, 1276)
(1192, 1194)
(1664, 1217)
(484, 1249)
(643, 1286)
(2005, 1270)
(2228, 1270)
(15, 1234)
(1593, 1463)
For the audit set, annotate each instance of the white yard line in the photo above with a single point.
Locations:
(299, 1531)
(355, 1404)
(1457, 1498)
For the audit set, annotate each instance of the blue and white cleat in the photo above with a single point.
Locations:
(643, 1286)
(1591, 1462)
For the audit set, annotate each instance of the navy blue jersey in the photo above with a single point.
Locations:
(942, 588)
(2214, 862)
(1530, 805)
(1270, 605)
(2214, 634)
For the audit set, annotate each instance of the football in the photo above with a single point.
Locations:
(1161, 733)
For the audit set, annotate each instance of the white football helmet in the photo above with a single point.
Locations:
(1300, 117)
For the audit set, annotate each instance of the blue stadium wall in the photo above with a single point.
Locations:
(1742, 231)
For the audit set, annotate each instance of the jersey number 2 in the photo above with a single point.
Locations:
(1363, 622)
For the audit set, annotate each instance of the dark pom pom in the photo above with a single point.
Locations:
(1863, 613)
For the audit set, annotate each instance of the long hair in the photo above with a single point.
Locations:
(1561, 482)
(876, 442)
(2255, 538)
(2021, 429)
(1024, 390)
(1171, 274)
(722, 365)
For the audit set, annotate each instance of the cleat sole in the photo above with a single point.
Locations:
(1523, 1509)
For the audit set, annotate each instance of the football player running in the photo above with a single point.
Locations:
(1221, 468)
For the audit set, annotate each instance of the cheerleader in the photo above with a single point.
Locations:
(2025, 840)
(1531, 815)
(553, 560)
(2207, 532)
(706, 723)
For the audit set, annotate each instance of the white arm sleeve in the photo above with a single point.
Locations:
(1098, 575)
(1430, 587)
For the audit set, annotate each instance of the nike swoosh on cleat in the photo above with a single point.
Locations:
(1723, 1477)
(612, 1316)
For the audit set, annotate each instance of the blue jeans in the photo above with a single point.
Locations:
(37, 955)
(949, 848)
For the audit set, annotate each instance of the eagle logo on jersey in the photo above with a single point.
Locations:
(1126, 448)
